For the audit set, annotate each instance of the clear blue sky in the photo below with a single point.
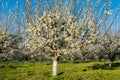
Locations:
(11, 3)
(21, 3)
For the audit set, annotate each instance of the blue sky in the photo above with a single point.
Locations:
(21, 3)
(11, 4)
(115, 4)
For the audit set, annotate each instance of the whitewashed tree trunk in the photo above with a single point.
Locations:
(110, 64)
(54, 67)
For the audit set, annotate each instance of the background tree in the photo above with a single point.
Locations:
(111, 47)
(5, 48)
(10, 27)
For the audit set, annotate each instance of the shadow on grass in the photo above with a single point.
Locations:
(60, 73)
(105, 66)
(74, 61)
(11, 66)
(77, 62)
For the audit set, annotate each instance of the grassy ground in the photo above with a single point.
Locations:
(14, 70)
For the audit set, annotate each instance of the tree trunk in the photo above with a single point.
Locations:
(83, 59)
(110, 64)
(54, 67)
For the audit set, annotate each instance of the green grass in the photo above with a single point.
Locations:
(14, 70)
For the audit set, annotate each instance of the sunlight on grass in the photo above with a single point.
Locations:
(66, 71)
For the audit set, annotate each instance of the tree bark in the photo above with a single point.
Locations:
(54, 67)
(54, 58)
(110, 64)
